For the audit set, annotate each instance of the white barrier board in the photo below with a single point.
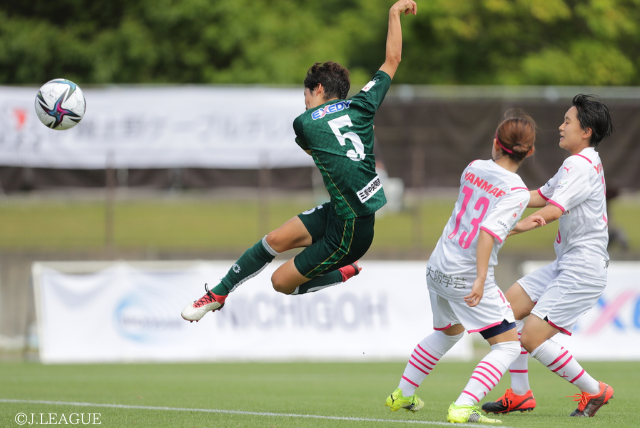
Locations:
(131, 312)
(158, 127)
(611, 330)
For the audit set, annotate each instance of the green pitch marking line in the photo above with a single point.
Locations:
(233, 412)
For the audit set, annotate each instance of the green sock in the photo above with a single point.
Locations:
(319, 282)
(251, 263)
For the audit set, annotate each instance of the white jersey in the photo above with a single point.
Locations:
(490, 199)
(578, 189)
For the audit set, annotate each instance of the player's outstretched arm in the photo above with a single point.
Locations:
(536, 200)
(538, 219)
(394, 35)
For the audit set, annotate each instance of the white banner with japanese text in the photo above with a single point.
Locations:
(110, 312)
(158, 127)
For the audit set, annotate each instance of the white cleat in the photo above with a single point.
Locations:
(209, 302)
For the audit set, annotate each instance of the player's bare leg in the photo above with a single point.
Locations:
(520, 302)
(536, 332)
(287, 278)
(292, 234)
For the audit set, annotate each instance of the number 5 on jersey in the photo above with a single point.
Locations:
(340, 122)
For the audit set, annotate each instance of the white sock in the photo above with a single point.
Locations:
(519, 369)
(267, 247)
(488, 372)
(424, 358)
(560, 361)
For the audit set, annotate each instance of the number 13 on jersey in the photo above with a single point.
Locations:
(480, 210)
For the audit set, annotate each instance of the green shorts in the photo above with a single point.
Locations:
(336, 243)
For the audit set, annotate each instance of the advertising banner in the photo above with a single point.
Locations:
(158, 127)
(110, 312)
(611, 330)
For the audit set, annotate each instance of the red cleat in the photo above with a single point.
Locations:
(589, 404)
(511, 402)
(349, 271)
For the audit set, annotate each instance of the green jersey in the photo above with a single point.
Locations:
(339, 135)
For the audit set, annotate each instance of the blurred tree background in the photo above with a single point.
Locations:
(485, 42)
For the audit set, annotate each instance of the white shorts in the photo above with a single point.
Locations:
(449, 308)
(561, 296)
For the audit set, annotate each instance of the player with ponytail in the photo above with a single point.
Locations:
(462, 287)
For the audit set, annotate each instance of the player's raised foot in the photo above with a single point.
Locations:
(589, 404)
(468, 414)
(349, 271)
(396, 402)
(209, 302)
(511, 402)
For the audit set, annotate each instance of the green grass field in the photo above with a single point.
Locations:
(219, 224)
(284, 394)
(257, 394)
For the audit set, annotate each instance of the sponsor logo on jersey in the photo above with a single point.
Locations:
(561, 185)
(370, 189)
(330, 109)
(484, 185)
(599, 168)
(369, 86)
(512, 222)
(446, 280)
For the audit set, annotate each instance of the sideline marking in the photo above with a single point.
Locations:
(233, 412)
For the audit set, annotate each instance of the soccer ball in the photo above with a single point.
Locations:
(60, 104)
